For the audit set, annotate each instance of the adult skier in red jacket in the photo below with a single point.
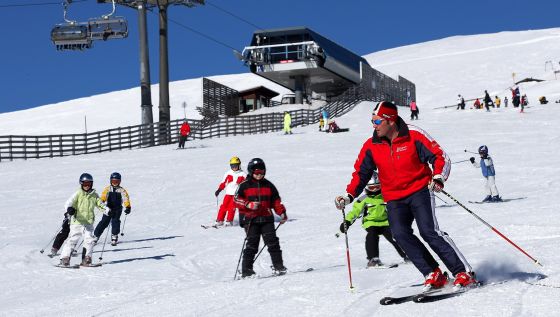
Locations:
(402, 155)
(184, 132)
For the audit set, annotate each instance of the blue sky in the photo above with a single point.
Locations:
(35, 74)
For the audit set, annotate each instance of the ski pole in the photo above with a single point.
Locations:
(242, 248)
(52, 239)
(105, 242)
(492, 228)
(460, 161)
(124, 223)
(441, 199)
(265, 243)
(470, 152)
(347, 248)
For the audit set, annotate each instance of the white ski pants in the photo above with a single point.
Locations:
(491, 188)
(76, 232)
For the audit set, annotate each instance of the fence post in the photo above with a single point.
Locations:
(60, 145)
(50, 146)
(10, 150)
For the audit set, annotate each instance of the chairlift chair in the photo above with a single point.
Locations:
(107, 28)
(71, 36)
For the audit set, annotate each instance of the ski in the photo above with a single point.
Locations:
(310, 269)
(75, 266)
(504, 200)
(428, 298)
(407, 298)
(209, 226)
(92, 265)
(384, 266)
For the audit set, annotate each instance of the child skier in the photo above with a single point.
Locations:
(231, 181)
(487, 166)
(115, 196)
(80, 207)
(374, 219)
(256, 198)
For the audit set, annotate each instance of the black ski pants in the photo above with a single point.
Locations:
(62, 234)
(254, 232)
(372, 241)
(115, 221)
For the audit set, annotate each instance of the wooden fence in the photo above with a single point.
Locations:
(14, 147)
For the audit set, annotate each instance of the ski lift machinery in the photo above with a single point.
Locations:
(71, 35)
(74, 35)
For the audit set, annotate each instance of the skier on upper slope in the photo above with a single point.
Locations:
(487, 167)
(402, 153)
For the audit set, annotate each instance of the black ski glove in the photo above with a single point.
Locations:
(472, 160)
(71, 210)
(217, 192)
(127, 210)
(342, 226)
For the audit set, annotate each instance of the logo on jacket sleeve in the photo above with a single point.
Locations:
(402, 148)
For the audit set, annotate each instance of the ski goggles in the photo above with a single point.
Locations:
(376, 121)
(87, 183)
(258, 172)
(234, 165)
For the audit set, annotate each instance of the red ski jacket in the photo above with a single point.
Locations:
(402, 165)
(262, 191)
(185, 129)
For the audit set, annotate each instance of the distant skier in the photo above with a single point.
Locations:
(325, 115)
(460, 102)
(477, 104)
(414, 111)
(487, 166)
(232, 179)
(371, 208)
(80, 207)
(183, 134)
(497, 102)
(506, 101)
(334, 128)
(287, 123)
(487, 101)
(256, 199)
(115, 196)
(515, 97)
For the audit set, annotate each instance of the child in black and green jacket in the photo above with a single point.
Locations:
(371, 208)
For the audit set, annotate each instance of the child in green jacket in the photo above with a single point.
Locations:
(374, 219)
(81, 208)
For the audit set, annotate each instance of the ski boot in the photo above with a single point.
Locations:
(465, 280)
(374, 262)
(54, 251)
(229, 224)
(114, 239)
(280, 269)
(487, 199)
(65, 261)
(435, 280)
(497, 199)
(86, 261)
(219, 223)
(247, 273)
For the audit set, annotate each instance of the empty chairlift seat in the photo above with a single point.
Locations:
(71, 36)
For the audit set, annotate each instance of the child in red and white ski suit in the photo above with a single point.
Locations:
(231, 181)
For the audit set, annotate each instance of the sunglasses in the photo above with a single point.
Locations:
(376, 121)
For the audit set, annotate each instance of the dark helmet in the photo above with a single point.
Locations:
(373, 187)
(483, 150)
(115, 175)
(85, 177)
(255, 164)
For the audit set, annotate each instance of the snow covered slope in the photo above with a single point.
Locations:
(168, 265)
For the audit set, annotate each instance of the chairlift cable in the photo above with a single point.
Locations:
(199, 33)
(34, 4)
(233, 15)
(107, 16)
